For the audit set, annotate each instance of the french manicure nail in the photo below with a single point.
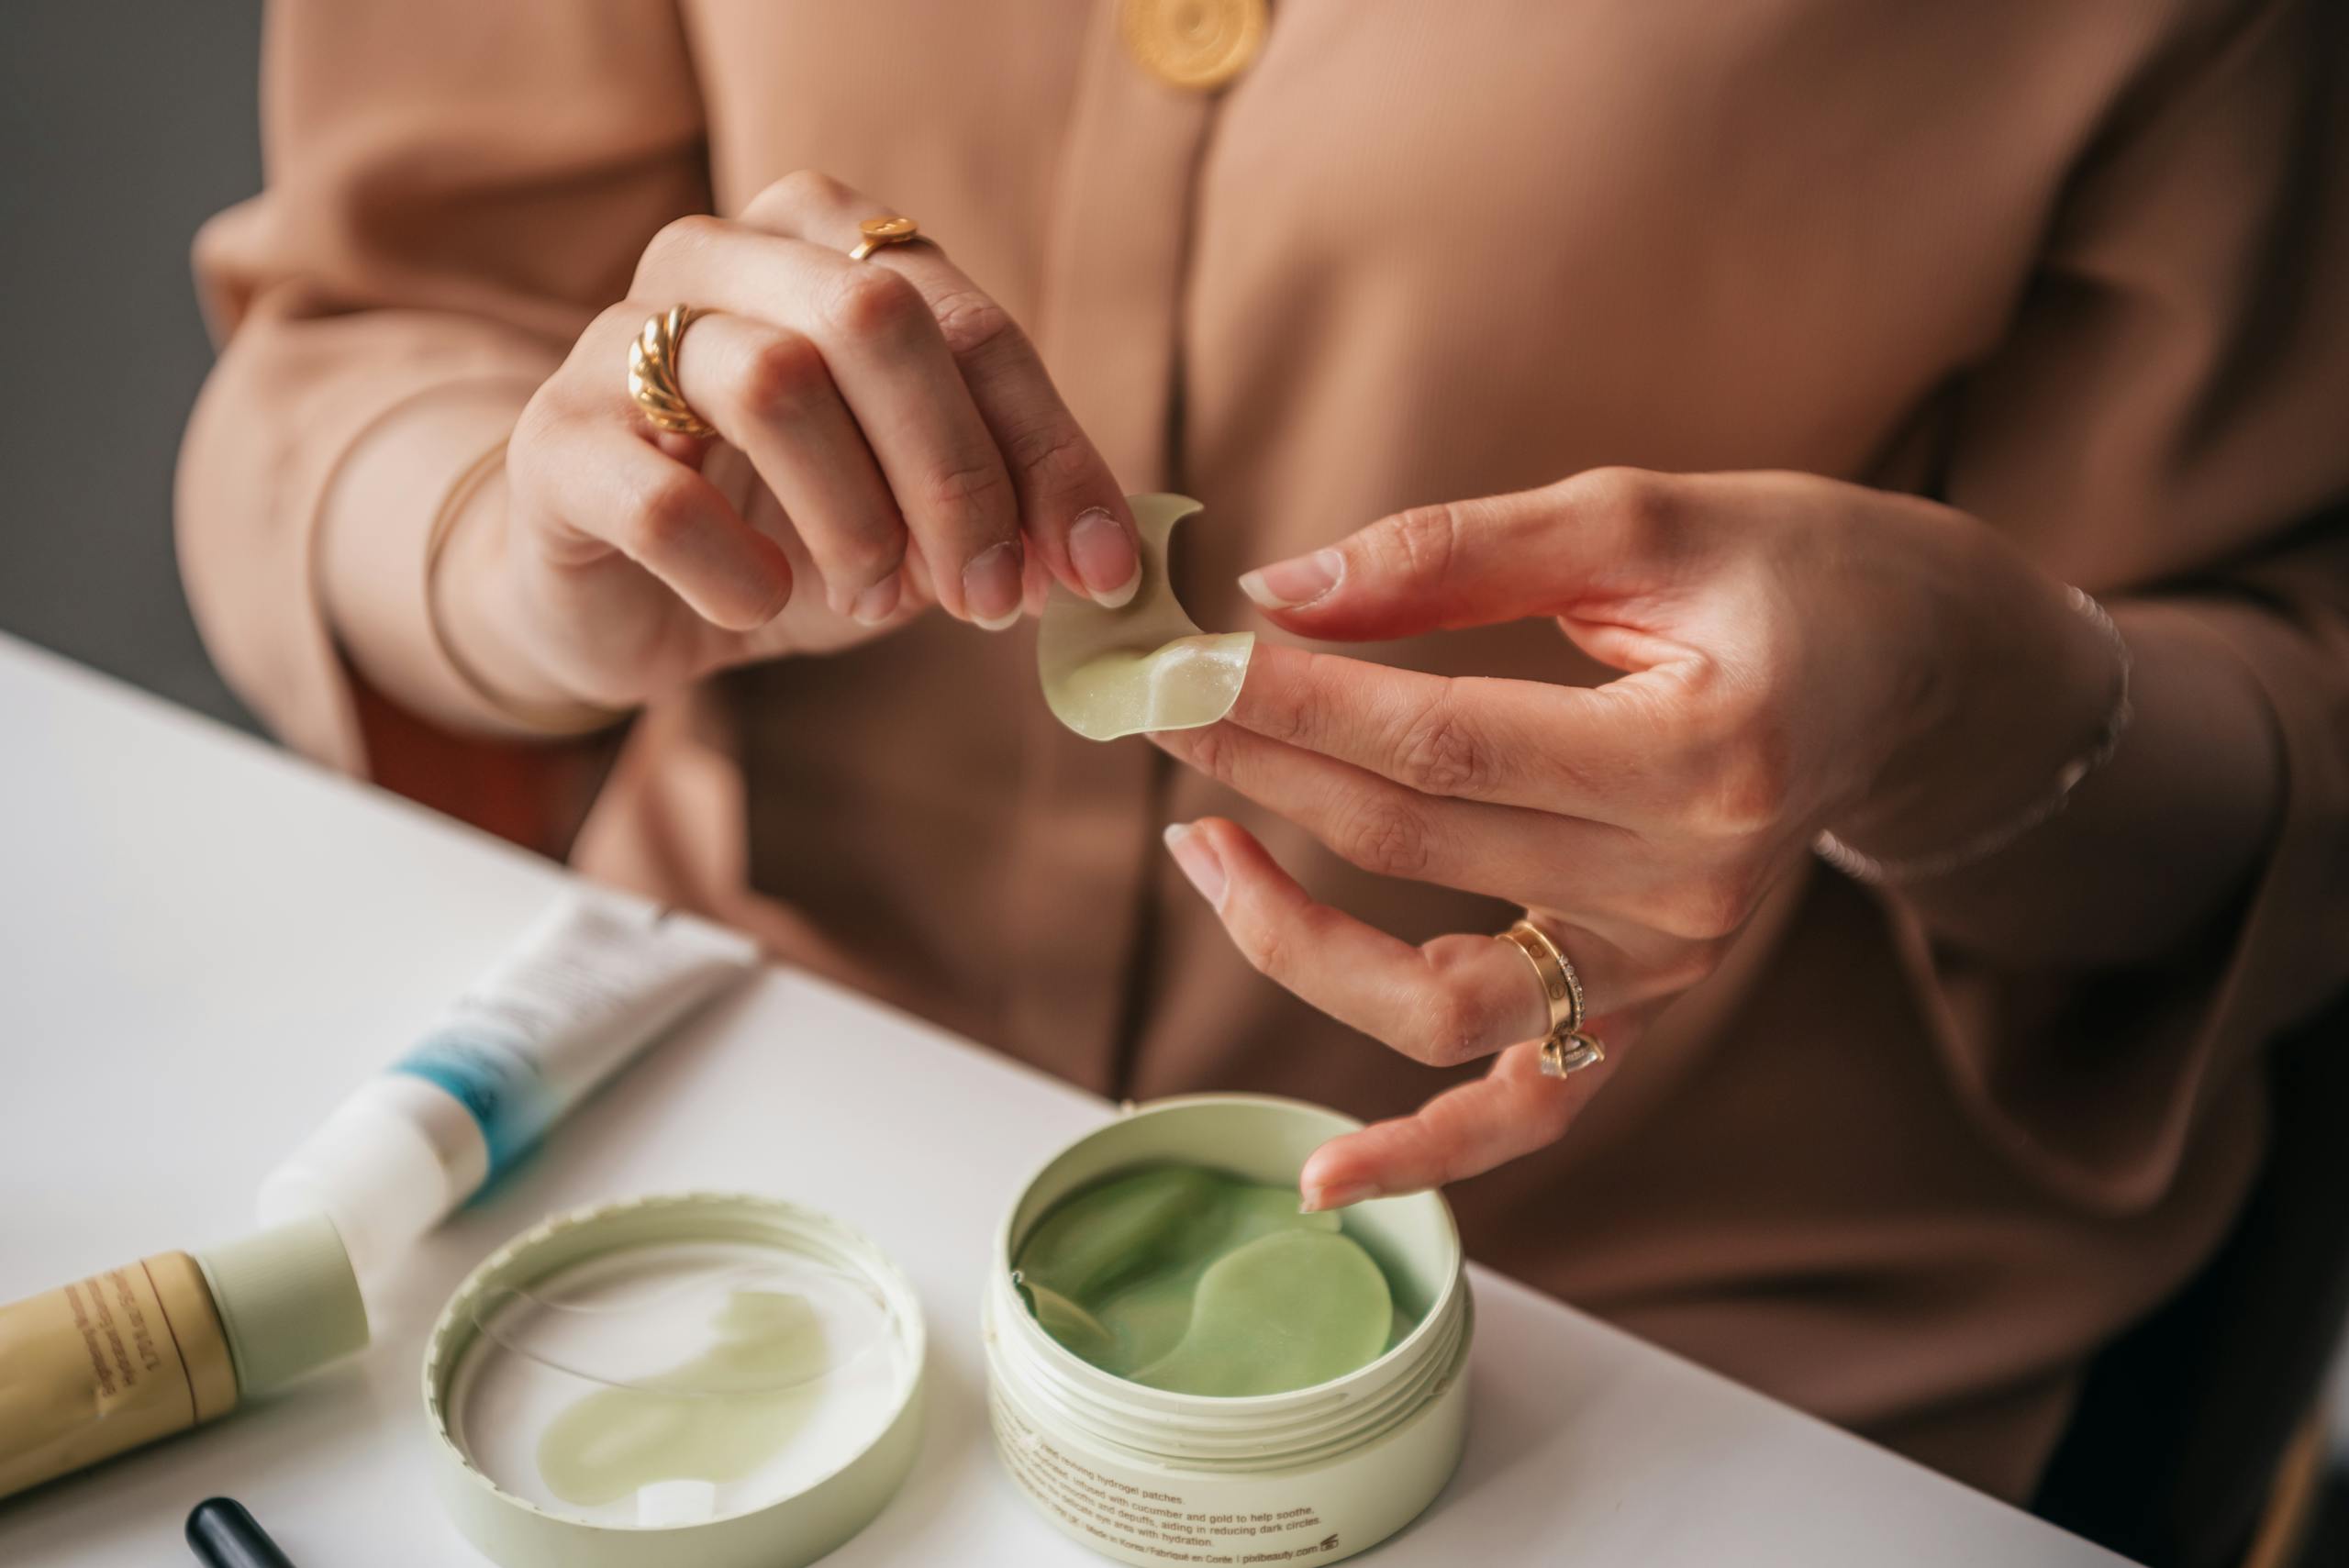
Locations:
(879, 602)
(1345, 1194)
(1102, 549)
(991, 586)
(1199, 860)
(1287, 584)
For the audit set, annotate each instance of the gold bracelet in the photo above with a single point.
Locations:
(551, 720)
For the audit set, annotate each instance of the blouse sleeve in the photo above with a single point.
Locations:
(452, 189)
(2167, 424)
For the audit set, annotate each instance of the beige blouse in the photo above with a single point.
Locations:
(2077, 269)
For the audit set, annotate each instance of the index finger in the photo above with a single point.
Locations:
(881, 351)
(1600, 536)
(1592, 751)
(1070, 506)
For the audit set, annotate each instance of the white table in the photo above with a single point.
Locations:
(203, 943)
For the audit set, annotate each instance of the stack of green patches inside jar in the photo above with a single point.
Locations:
(1197, 1282)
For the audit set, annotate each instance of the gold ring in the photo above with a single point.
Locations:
(652, 374)
(880, 233)
(1565, 1049)
(1570, 1053)
(1560, 986)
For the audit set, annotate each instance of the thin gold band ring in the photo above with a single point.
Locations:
(1560, 986)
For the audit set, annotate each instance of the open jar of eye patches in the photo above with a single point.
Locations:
(1184, 1369)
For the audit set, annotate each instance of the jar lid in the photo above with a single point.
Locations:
(717, 1378)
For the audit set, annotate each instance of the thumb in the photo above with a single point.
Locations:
(1597, 536)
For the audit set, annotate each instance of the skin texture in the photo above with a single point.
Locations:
(1797, 653)
(888, 441)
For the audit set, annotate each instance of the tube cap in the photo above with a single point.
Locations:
(374, 1171)
(225, 1535)
(288, 1302)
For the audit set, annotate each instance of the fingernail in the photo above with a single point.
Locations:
(1345, 1194)
(1102, 552)
(1286, 585)
(1199, 860)
(879, 602)
(991, 586)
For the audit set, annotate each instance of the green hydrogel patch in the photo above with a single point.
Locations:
(1286, 1311)
(1070, 1324)
(1190, 1280)
(716, 1417)
(1145, 665)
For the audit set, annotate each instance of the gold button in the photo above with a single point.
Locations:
(1198, 44)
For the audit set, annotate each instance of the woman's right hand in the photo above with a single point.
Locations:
(888, 440)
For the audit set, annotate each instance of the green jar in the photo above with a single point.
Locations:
(1145, 1475)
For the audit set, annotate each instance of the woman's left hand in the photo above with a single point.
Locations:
(1797, 653)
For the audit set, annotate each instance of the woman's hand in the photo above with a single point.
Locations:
(888, 438)
(1798, 653)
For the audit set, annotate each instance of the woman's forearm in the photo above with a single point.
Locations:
(2152, 848)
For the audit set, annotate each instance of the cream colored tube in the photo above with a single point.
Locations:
(122, 1358)
(108, 1363)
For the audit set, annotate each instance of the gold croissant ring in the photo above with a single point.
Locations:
(1566, 1049)
(652, 373)
(882, 232)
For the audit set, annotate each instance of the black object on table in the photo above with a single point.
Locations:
(226, 1536)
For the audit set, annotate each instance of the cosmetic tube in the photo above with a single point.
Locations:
(595, 981)
(136, 1353)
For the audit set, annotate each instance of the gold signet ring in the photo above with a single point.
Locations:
(880, 233)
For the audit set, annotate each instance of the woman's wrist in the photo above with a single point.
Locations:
(2154, 847)
(478, 617)
(395, 492)
(2023, 706)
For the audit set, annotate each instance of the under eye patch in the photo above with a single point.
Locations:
(1196, 1281)
(1146, 665)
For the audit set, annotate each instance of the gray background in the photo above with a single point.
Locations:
(124, 124)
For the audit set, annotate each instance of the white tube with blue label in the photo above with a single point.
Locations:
(595, 981)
